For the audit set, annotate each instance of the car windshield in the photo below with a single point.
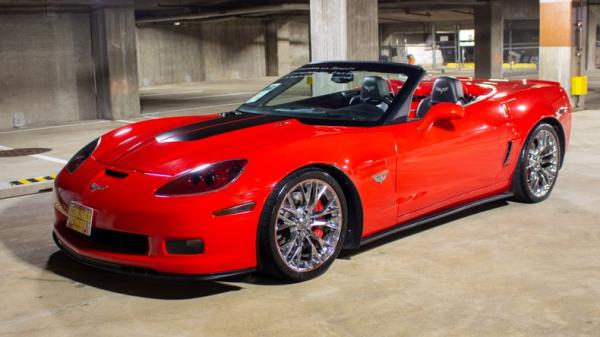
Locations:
(353, 92)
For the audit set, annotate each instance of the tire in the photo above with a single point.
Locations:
(542, 167)
(290, 239)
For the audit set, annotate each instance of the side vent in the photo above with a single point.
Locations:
(116, 174)
(508, 150)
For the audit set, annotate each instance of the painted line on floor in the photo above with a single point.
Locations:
(39, 156)
(53, 127)
(215, 96)
(202, 106)
(192, 108)
(142, 95)
(239, 93)
(35, 180)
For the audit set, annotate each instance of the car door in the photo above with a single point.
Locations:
(450, 159)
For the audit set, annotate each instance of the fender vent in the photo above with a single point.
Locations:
(116, 174)
(507, 155)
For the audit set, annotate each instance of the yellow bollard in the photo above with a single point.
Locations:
(579, 85)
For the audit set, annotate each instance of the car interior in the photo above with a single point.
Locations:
(380, 92)
(370, 98)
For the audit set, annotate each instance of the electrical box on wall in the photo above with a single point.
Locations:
(579, 85)
(18, 120)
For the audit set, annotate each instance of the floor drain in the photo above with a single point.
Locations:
(28, 151)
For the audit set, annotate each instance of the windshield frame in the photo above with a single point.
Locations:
(400, 104)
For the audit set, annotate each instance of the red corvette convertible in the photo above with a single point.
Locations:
(330, 156)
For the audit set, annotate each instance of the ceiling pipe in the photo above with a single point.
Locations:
(274, 9)
(430, 4)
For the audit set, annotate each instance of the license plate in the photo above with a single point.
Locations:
(80, 218)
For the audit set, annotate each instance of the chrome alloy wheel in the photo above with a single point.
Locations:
(308, 225)
(542, 163)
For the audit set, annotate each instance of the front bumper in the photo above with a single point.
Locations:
(127, 208)
(143, 272)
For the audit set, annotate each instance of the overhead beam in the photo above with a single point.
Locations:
(430, 4)
(273, 9)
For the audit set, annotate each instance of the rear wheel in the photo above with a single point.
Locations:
(303, 226)
(538, 165)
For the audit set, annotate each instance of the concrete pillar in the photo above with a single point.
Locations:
(344, 30)
(489, 34)
(558, 59)
(593, 16)
(562, 48)
(279, 58)
(114, 51)
(556, 41)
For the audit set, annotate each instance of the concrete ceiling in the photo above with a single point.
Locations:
(425, 15)
(390, 11)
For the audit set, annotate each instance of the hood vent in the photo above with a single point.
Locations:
(116, 174)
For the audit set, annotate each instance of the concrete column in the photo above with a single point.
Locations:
(279, 58)
(593, 16)
(489, 34)
(114, 50)
(344, 30)
(560, 58)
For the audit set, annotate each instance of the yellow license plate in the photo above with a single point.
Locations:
(80, 218)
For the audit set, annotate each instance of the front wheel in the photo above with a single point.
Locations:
(539, 162)
(303, 225)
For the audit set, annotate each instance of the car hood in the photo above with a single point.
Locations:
(174, 145)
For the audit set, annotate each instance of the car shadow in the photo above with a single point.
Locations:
(61, 264)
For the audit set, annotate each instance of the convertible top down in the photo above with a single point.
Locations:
(330, 156)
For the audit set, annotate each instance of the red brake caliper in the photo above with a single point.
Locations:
(317, 230)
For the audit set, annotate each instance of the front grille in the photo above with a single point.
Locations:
(118, 242)
(129, 243)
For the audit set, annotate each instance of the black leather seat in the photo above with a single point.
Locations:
(375, 90)
(445, 89)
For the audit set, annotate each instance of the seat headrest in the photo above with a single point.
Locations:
(447, 89)
(374, 87)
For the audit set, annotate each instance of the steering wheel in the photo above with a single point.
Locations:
(370, 100)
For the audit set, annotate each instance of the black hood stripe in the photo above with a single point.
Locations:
(217, 126)
(224, 118)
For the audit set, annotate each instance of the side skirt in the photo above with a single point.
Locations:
(434, 216)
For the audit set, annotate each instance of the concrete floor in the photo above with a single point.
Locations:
(198, 97)
(506, 269)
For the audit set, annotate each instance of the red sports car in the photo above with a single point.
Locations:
(330, 156)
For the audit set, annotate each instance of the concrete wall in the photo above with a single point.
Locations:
(169, 54)
(212, 50)
(521, 9)
(299, 43)
(234, 49)
(592, 57)
(46, 68)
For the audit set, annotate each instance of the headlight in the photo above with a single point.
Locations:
(82, 155)
(205, 178)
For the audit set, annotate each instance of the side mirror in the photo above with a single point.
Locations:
(441, 112)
